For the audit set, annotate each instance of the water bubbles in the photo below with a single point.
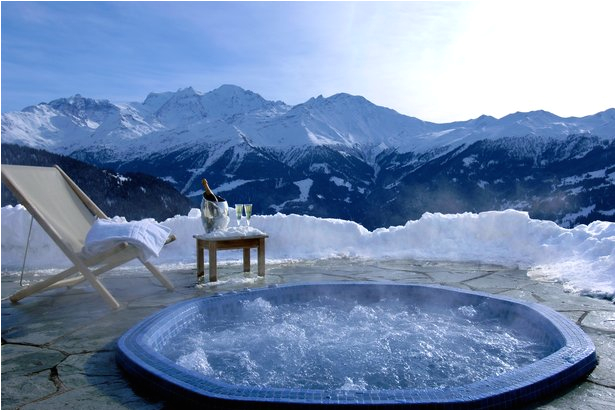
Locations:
(332, 342)
(258, 306)
(349, 385)
(196, 361)
(363, 313)
(467, 311)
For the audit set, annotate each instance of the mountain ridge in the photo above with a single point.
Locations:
(341, 119)
(327, 154)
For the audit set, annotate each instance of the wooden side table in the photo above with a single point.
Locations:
(213, 244)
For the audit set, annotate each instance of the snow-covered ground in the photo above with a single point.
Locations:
(582, 258)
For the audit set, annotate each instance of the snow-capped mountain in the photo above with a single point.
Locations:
(77, 123)
(340, 156)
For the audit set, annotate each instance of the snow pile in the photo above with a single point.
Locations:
(581, 258)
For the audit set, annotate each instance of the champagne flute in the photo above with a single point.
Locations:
(248, 210)
(238, 213)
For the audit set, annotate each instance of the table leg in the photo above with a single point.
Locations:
(261, 257)
(247, 259)
(200, 260)
(213, 262)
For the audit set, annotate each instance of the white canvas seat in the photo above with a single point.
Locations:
(66, 213)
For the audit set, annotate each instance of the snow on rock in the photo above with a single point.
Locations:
(581, 258)
(304, 188)
(341, 183)
(232, 185)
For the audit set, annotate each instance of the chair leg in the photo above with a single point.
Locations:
(58, 280)
(74, 281)
(68, 283)
(164, 281)
(91, 277)
(41, 285)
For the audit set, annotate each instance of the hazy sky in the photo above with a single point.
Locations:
(438, 61)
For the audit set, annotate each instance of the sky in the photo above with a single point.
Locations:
(437, 61)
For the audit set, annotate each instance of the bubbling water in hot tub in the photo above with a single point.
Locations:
(330, 342)
(348, 343)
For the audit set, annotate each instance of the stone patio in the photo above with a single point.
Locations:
(58, 348)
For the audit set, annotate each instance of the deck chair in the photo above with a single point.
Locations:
(66, 213)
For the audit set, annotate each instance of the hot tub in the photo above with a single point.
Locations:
(357, 344)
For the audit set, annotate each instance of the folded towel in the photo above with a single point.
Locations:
(235, 231)
(149, 237)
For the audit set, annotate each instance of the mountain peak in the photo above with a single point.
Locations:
(229, 100)
(483, 121)
(82, 107)
(77, 100)
(347, 96)
(188, 92)
(534, 114)
(485, 117)
(339, 99)
(155, 100)
(230, 89)
(232, 93)
(181, 109)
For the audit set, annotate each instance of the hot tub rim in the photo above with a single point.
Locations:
(571, 362)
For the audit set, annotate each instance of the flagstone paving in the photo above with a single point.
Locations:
(58, 348)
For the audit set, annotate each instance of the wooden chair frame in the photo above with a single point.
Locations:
(88, 269)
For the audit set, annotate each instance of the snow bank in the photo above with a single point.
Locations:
(581, 258)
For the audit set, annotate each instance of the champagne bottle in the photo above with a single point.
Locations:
(208, 194)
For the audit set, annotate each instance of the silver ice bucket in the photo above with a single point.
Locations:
(214, 214)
